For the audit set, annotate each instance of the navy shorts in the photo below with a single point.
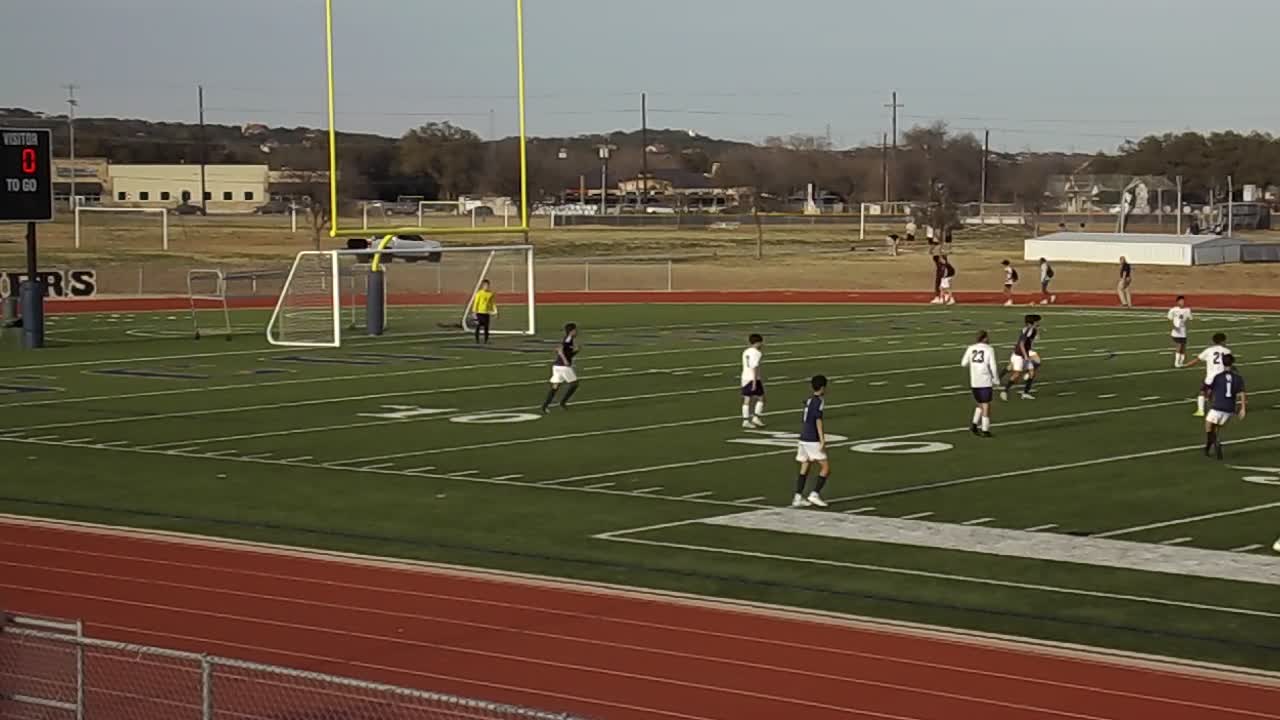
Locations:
(755, 389)
(983, 395)
(1180, 342)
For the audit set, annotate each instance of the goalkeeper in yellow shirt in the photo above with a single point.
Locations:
(484, 308)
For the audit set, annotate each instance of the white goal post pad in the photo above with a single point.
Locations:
(163, 213)
(427, 291)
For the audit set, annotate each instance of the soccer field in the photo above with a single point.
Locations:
(1091, 517)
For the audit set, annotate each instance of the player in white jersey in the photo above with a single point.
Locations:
(1179, 316)
(753, 382)
(984, 373)
(1213, 365)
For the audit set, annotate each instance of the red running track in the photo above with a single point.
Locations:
(602, 652)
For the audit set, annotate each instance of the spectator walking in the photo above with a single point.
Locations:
(1126, 280)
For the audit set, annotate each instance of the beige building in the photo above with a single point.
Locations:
(228, 188)
(90, 177)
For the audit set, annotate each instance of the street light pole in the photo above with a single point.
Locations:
(604, 149)
(71, 130)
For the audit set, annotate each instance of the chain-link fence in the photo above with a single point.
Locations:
(50, 671)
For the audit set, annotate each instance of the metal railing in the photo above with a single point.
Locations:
(51, 670)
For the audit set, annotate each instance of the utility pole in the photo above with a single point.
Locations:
(986, 152)
(204, 152)
(644, 150)
(884, 166)
(71, 130)
(605, 149)
(894, 106)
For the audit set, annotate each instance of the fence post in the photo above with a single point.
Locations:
(587, 269)
(140, 283)
(669, 263)
(79, 671)
(206, 688)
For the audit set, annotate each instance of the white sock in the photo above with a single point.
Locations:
(760, 407)
(986, 424)
(746, 411)
(1200, 403)
(977, 416)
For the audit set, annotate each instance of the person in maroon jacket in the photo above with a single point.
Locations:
(939, 272)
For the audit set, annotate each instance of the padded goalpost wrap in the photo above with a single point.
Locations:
(427, 291)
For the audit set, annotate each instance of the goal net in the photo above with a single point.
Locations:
(324, 299)
(131, 227)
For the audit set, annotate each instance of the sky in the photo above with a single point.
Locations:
(1072, 75)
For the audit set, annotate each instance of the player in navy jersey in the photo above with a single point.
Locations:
(562, 372)
(1227, 398)
(812, 447)
(1023, 360)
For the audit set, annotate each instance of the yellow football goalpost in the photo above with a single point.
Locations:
(336, 231)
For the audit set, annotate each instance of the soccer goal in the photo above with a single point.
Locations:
(120, 224)
(426, 292)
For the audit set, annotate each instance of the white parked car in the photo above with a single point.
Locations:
(431, 249)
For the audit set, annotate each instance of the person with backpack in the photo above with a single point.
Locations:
(1046, 277)
(1010, 279)
(944, 286)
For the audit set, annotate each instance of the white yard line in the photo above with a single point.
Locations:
(1248, 548)
(598, 486)
(517, 476)
(1177, 541)
(1039, 528)
(1052, 589)
(745, 501)
(428, 468)
(917, 516)
(703, 494)
(977, 521)
(905, 436)
(1196, 518)
(424, 371)
(649, 490)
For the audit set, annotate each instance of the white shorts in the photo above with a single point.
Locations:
(1217, 417)
(810, 452)
(945, 284)
(563, 374)
(1017, 363)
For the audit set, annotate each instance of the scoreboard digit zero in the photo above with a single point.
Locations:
(26, 175)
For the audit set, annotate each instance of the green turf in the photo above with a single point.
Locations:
(287, 446)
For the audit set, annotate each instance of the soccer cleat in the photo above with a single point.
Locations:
(564, 406)
(757, 422)
(1198, 413)
(1044, 302)
(799, 502)
(546, 410)
(987, 434)
(951, 301)
(935, 301)
(746, 425)
(816, 500)
(1276, 547)
(1053, 298)
(1027, 396)
(1007, 303)
(1004, 395)
(974, 429)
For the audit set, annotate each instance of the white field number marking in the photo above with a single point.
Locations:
(901, 448)
(495, 418)
(406, 412)
(774, 438)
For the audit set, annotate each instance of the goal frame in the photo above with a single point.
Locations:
(376, 265)
(336, 231)
(162, 212)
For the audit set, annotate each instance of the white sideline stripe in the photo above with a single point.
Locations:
(373, 467)
(745, 501)
(1122, 554)
(977, 521)
(186, 449)
(429, 468)
(76, 441)
(509, 477)
(359, 470)
(300, 458)
(1066, 394)
(906, 436)
(1053, 589)
(648, 490)
(1247, 548)
(1177, 541)
(259, 455)
(878, 383)
(1244, 677)
(1107, 396)
(855, 511)
(916, 385)
(696, 495)
(598, 486)
(221, 453)
(113, 443)
(45, 437)
(1196, 518)
(917, 516)
(1149, 398)
(460, 473)
(1038, 528)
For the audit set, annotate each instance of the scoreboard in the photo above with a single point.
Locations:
(26, 175)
